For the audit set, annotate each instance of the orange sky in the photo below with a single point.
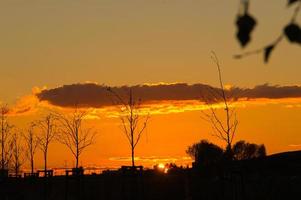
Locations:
(272, 122)
(125, 42)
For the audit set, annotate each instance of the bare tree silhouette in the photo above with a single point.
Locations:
(6, 136)
(47, 131)
(72, 133)
(17, 152)
(224, 127)
(131, 119)
(31, 143)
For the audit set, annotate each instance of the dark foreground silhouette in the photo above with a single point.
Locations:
(275, 177)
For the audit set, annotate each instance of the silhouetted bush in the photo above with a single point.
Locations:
(244, 151)
(205, 153)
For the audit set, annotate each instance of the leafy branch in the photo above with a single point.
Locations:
(246, 24)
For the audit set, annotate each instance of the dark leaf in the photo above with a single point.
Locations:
(267, 52)
(245, 25)
(243, 38)
(290, 2)
(293, 33)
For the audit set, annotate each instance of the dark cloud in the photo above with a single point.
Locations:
(94, 95)
(272, 92)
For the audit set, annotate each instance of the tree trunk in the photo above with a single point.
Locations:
(2, 143)
(228, 152)
(76, 161)
(45, 162)
(32, 167)
(16, 170)
(133, 157)
(77, 150)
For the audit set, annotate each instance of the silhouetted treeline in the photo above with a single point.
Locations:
(272, 177)
(207, 154)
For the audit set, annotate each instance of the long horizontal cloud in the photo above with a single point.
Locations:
(97, 96)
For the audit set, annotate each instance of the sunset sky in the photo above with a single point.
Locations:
(48, 44)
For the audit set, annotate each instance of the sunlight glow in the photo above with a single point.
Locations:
(161, 166)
